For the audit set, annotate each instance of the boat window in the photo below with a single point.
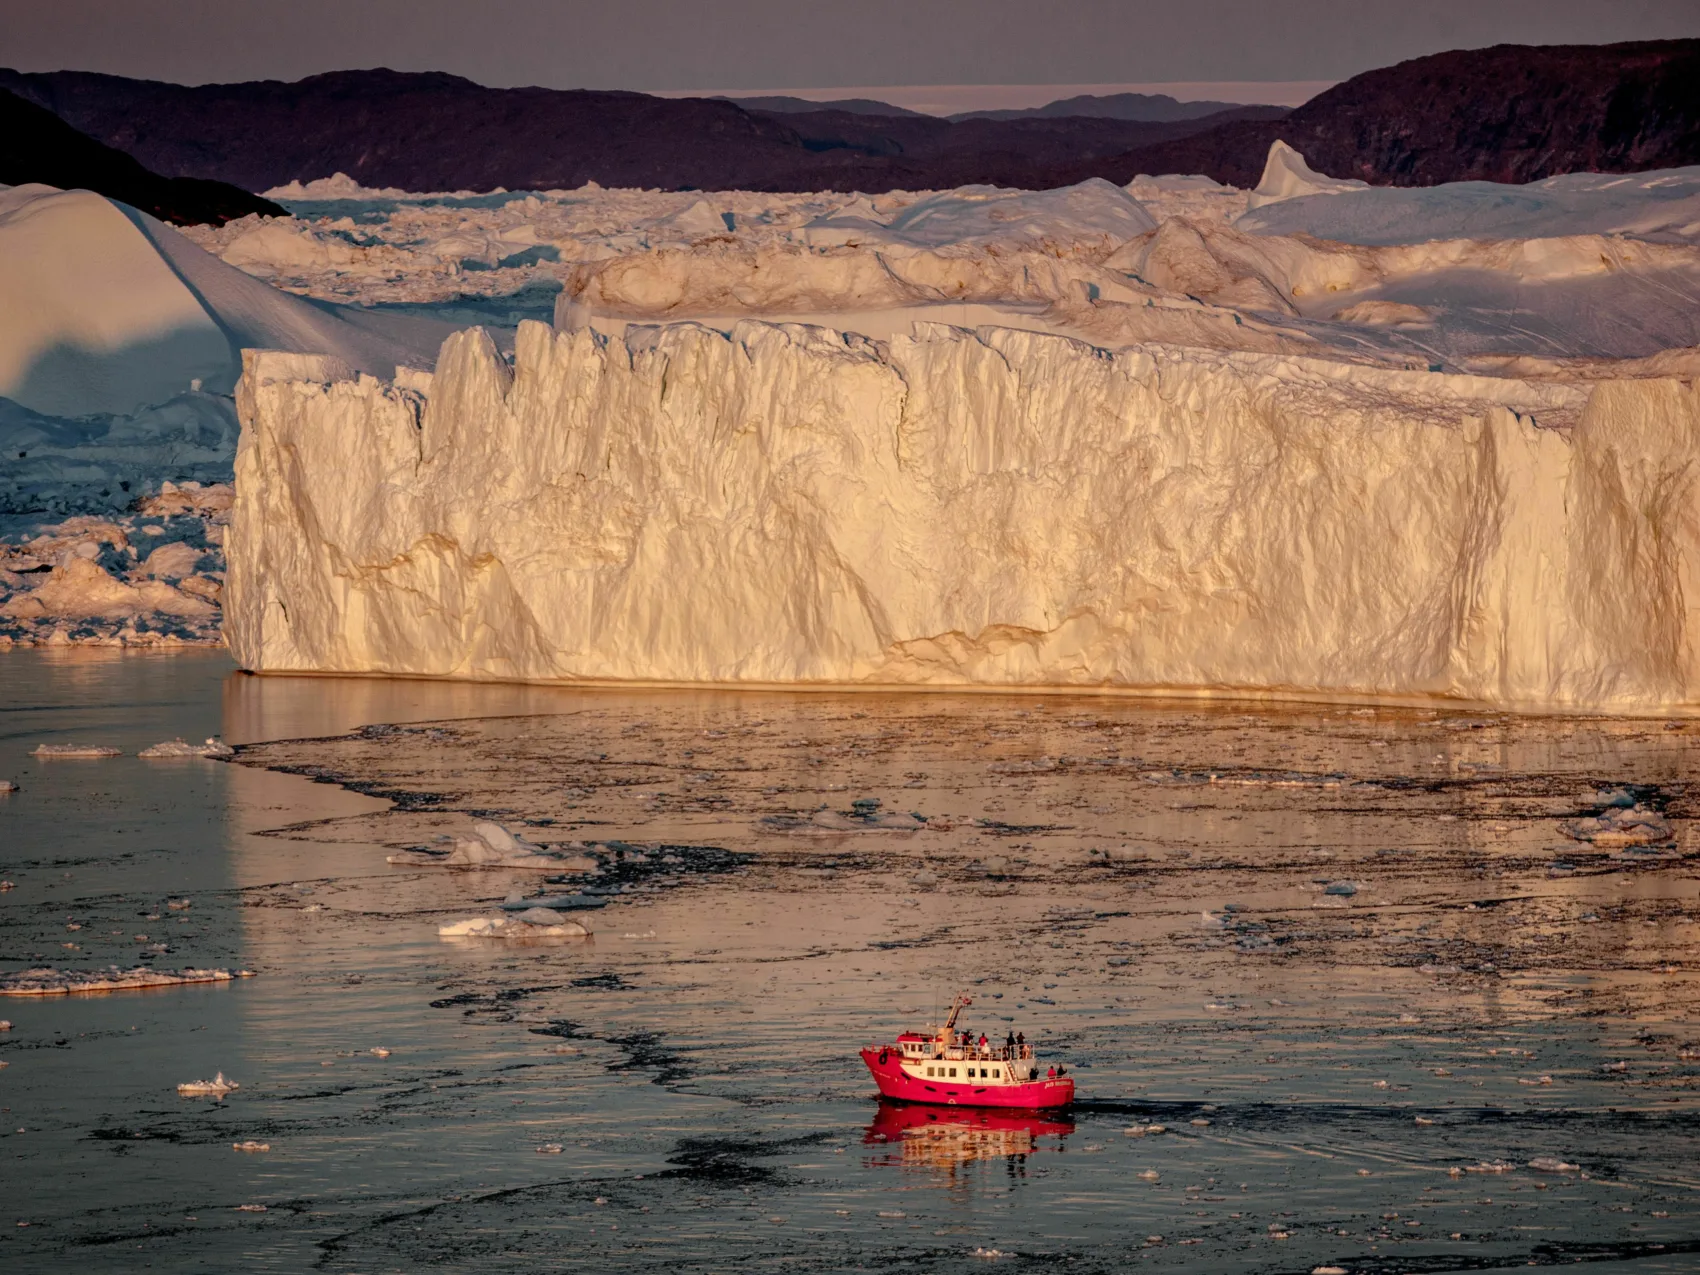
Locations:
(929, 1071)
(953, 1073)
(997, 1073)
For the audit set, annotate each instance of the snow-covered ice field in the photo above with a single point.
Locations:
(1083, 425)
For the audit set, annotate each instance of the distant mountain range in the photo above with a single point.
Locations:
(1511, 113)
(1153, 107)
(1149, 108)
(779, 104)
(430, 131)
(37, 146)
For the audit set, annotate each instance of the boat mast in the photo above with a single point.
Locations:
(956, 1008)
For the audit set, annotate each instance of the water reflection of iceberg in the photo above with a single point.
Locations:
(926, 1136)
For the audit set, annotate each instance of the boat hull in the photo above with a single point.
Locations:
(1043, 1094)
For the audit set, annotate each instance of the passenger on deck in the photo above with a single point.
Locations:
(1051, 1074)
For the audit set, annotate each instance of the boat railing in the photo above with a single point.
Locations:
(991, 1053)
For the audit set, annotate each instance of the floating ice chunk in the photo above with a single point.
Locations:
(180, 748)
(1490, 1166)
(1149, 1175)
(1552, 1164)
(1345, 889)
(217, 1087)
(75, 750)
(547, 924)
(836, 822)
(250, 1145)
(46, 981)
(1621, 826)
(550, 1148)
(6, 786)
(378, 1051)
(1328, 1270)
(493, 846)
(250, 1208)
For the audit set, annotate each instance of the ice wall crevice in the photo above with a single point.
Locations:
(789, 504)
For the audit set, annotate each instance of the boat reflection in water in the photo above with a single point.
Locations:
(923, 1136)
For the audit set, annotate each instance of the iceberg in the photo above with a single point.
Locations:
(783, 504)
(1287, 176)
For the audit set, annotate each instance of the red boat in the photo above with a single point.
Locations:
(954, 1069)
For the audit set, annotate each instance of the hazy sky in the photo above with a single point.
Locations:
(776, 44)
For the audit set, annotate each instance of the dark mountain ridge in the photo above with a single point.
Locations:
(431, 131)
(37, 146)
(1511, 113)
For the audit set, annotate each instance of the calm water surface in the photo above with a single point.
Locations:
(1141, 887)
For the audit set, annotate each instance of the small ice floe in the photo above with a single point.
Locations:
(179, 748)
(1424, 1120)
(893, 1213)
(217, 1087)
(989, 1254)
(1610, 797)
(1534, 1080)
(550, 1148)
(493, 846)
(573, 1050)
(1552, 1164)
(1621, 826)
(249, 1145)
(533, 923)
(74, 750)
(1341, 889)
(6, 786)
(250, 1208)
(378, 1051)
(5, 1024)
(1490, 1166)
(46, 981)
(179, 905)
(1328, 1270)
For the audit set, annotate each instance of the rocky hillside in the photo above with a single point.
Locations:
(1511, 113)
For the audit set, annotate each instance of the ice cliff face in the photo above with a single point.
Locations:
(786, 504)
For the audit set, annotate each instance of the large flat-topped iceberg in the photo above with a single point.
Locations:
(782, 504)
